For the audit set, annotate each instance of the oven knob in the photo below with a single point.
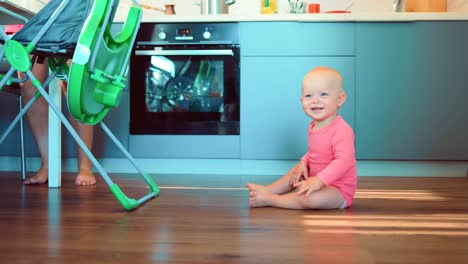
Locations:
(162, 35)
(206, 35)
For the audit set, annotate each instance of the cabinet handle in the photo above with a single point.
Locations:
(221, 52)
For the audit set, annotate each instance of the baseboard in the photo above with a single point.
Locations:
(251, 167)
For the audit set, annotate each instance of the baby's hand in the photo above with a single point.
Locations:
(308, 186)
(301, 172)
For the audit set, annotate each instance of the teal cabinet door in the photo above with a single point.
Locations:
(297, 39)
(273, 125)
(412, 90)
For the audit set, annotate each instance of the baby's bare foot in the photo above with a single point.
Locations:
(258, 188)
(40, 178)
(85, 179)
(260, 199)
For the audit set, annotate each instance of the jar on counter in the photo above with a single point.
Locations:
(268, 6)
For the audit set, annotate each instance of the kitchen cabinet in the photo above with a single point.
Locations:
(406, 82)
(11, 145)
(412, 90)
(273, 124)
(279, 39)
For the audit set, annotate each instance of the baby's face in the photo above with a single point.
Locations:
(322, 96)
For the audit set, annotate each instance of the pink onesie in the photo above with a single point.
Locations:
(11, 29)
(331, 157)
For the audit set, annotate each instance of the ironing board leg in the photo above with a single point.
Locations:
(55, 137)
(23, 158)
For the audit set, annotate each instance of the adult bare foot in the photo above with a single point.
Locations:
(258, 188)
(40, 178)
(260, 199)
(85, 179)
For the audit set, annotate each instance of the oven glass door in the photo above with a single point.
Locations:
(185, 90)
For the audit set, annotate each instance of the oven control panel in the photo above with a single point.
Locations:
(188, 33)
(184, 33)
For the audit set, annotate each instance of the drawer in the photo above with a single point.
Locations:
(297, 39)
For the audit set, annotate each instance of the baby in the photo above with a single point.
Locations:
(325, 177)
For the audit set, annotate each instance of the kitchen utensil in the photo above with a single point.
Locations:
(169, 9)
(297, 7)
(215, 7)
(338, 12)
(346, 11)
(398, 5)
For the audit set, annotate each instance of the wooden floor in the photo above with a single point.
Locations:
(206, 219)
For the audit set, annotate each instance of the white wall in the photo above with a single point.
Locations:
(252, 7)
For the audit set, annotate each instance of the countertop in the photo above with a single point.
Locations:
(28, 6)
(349, 17)
(34, 6)
(25, 8)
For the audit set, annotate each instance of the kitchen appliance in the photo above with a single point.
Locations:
(185, 79)
(215, 7)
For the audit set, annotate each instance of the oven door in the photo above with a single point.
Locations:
(185, 90)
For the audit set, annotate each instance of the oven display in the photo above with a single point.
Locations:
(184, 31)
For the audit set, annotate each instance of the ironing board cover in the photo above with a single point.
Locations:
(63, 34)
(94, 86)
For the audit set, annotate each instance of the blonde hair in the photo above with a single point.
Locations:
(334, 75)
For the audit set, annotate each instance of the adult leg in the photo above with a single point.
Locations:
(85, 175)
(280, 186)
(37, 117)
(325, 198)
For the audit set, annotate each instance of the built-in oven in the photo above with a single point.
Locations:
(185, 79)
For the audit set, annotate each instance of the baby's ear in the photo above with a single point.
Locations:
(341, 99)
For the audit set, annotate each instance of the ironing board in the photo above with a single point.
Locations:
(97, 73)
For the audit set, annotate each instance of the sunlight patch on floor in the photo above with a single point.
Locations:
(437, 224)
(202, 188)
(390, 232)
(414, 195)
(387, 223)
(435, 217)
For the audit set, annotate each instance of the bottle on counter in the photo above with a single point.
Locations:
(268, 6)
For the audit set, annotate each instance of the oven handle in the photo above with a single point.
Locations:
(220, 52)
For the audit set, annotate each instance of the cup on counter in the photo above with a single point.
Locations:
(313, 8)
